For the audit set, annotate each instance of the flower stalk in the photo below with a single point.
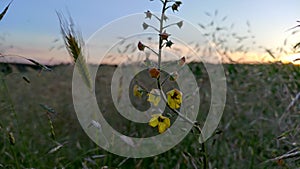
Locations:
(173, 99)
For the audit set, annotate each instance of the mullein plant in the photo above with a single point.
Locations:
(172, 98)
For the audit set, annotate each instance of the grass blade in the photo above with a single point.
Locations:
(4, 11)
(38, 64)
(297, 45)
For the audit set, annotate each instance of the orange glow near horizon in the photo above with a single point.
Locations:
(62, 57)
(293, 58)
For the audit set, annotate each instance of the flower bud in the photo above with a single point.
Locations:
(175, 7)
(141, 46)
(174, 76)
(148, 14)
(164, 36)
(182, 61)
(179, 24)
(169, 43)
(145, 26)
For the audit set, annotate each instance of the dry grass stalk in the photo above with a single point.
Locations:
(4, 11)
(74, 44)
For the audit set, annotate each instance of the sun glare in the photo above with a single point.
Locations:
(293, 58)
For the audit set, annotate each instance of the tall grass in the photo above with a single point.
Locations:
(38, 127)
(75, 46)
(249, 134)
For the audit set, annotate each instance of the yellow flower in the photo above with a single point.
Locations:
(161, 121)
(154, 97)
(174, 98)
(137, 91)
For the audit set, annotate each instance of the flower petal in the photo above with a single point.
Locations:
(153, 121)
(154, 97)
(167, 122)
(174, 98)
(137, 91)
(155, 115)
(162, 127)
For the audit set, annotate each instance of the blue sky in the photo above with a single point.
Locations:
(30, 27)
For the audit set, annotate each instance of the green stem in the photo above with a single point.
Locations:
(159, 85)
(203, 149)
(159, 65)
(15, 156)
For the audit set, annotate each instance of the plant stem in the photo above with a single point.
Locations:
(161, 27)
(205, 160)
(3, 86)
(159, 85)
(10, 102)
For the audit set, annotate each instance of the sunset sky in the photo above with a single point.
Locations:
(31, 28)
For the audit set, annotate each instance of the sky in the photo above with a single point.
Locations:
(31, 27)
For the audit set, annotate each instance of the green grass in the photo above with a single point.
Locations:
(249, 131)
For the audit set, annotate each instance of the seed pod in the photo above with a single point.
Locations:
(154, 73)
(141, 46)
(148, 14)
(12, 139)
(175, 7)
(164, 36)
(182, 61)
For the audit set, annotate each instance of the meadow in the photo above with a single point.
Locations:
(259, 128)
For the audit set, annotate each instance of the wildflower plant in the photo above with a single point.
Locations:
(173, 98)
(152, 86)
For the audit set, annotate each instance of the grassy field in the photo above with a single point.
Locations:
(255, 126)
